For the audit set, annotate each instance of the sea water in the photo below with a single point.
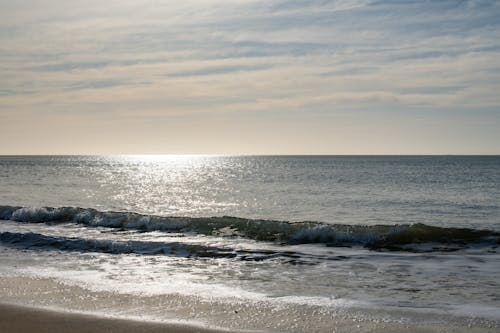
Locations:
(276, 238)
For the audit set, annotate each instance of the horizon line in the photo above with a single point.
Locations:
(249, 155)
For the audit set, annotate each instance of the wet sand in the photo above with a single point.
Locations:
(24, 302)
(19, 319)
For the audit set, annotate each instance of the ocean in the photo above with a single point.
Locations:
(256, 243)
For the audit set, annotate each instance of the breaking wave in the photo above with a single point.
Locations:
(404, 237)
(32, 240)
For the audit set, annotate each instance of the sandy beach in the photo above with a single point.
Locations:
(19, 319)
(44, 305)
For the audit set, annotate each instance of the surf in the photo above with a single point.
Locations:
(416, 237)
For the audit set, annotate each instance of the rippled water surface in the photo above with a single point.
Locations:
(289, 235)
(443, 191)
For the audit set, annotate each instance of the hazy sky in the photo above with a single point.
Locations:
(249, 77)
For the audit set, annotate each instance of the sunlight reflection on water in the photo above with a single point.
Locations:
(443, 191)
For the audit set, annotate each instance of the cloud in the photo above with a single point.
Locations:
(218, 70)
(161, 59)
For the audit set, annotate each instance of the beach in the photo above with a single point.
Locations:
(44, 305)
(256, 166)
(251, 244)
(20, 319)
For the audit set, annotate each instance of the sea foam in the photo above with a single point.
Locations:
(388, 237)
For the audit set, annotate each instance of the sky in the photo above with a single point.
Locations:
(249, 77)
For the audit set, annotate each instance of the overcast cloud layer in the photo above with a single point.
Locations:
(250, 77)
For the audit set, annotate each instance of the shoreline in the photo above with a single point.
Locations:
(22, 319)
(44, 305)
(16, 318)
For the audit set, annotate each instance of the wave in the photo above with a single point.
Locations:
(403, 237)
(31, 240)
